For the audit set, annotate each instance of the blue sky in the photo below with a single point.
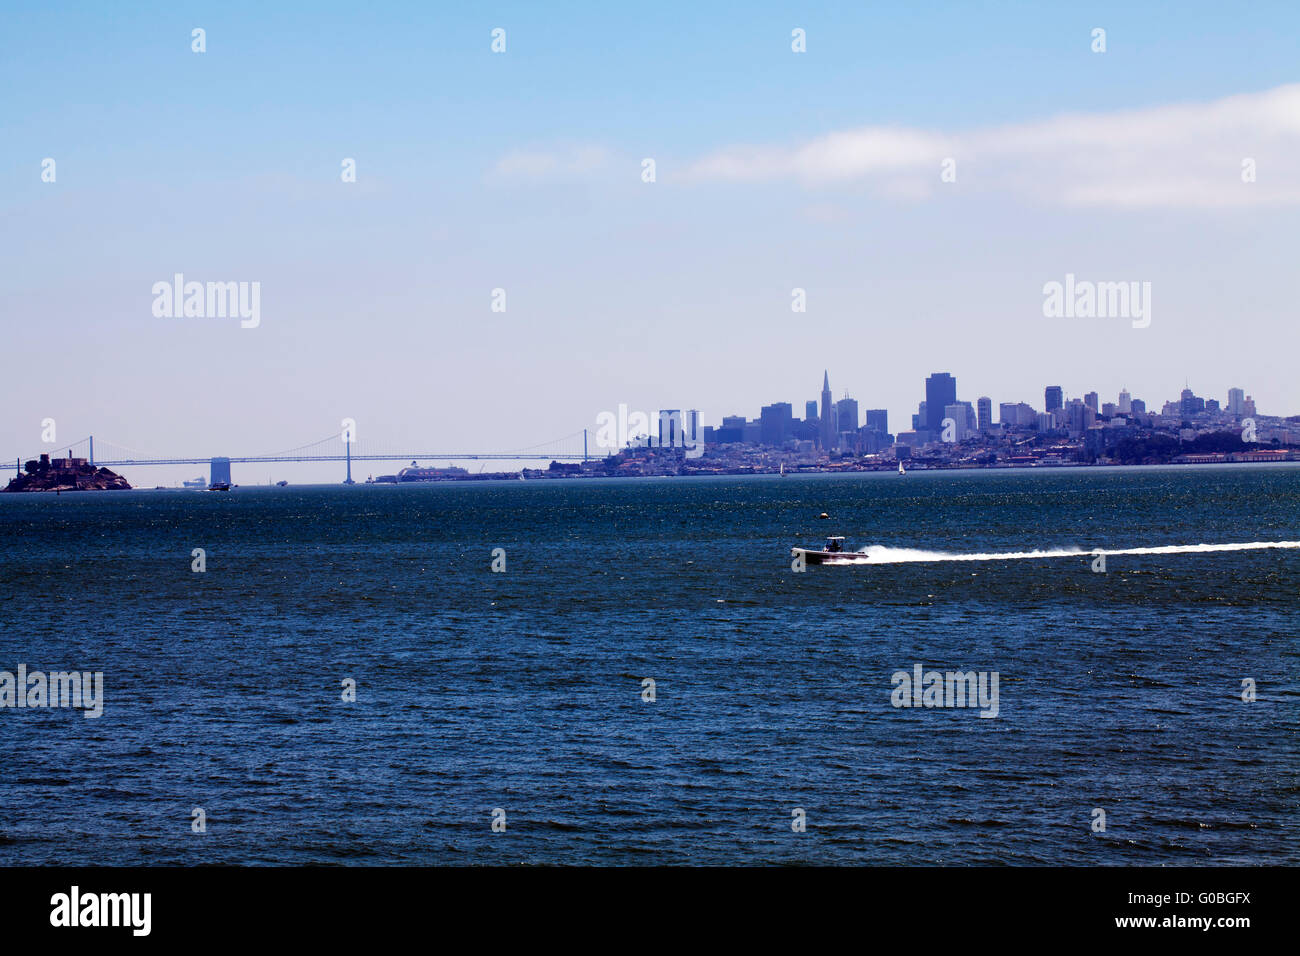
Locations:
(522, 171)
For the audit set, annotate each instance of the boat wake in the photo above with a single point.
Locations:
(881, 554)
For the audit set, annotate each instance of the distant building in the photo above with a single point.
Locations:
(776, 423)
(1236, 402)
(732, 430)
(1091, 399)
(1125, 401)
(940, 392)
(957, 413)
(984, 405)
(878, 420)
(827, 422)
(1053, 398)
(846, 415)
(670, 428)
(1017, 413)
(810, 411)
(1138, 407)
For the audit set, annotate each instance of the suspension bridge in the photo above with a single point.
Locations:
(332, 448)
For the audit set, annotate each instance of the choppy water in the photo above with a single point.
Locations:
(522, 690)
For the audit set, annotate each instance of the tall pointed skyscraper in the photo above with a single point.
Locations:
(827, 423)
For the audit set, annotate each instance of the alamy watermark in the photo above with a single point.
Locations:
(80, 689)
(211, 300)
(623, 429)
(922, 688)
(1098, 300)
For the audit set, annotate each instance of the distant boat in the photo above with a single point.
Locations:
(782, 469)
(900, 469)
(195, 483)
(281, 483)
(833, 551)
(219, 486)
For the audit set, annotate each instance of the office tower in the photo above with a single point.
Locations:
(1076, 415)
(1047, 422)
(827, 421)
(846, 415)
(1053, 397)
(1190, 404)
(957, 412)
(1125, 401)
(940, 392)
(1248, 407)
(1091, 400)
(691, 428)
(985, 417)
(878, 420)
(1236, 402)
(1138, 407)
(1212, 406)
(776, 421)
(810, 411)
(732, 430)
(1109, 410)
(670, 427)
(1007, 413)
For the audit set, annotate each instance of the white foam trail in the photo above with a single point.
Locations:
(880, 554)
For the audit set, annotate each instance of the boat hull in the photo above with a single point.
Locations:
(813, 556)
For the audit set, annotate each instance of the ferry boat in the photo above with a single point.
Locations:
(194, 483)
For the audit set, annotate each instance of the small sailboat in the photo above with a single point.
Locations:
(782, 469)
(900, 469)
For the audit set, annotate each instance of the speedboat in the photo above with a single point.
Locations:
(834, 549)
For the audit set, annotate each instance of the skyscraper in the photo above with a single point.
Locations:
(1092, 400)
(1125, 402)
(810, 411)
(846, 415)
(1236, 402)
(1053, 397)
(957, 413)
(827, 421)
(940, 392)
(984, 404)
(775, 422)
(878, 420)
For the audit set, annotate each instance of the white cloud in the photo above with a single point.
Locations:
(551, 163)
(1179, 155)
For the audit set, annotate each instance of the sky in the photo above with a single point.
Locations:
(523, 171)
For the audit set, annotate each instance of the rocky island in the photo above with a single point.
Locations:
(66, 474)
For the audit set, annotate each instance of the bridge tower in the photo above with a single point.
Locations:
(348, 480)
